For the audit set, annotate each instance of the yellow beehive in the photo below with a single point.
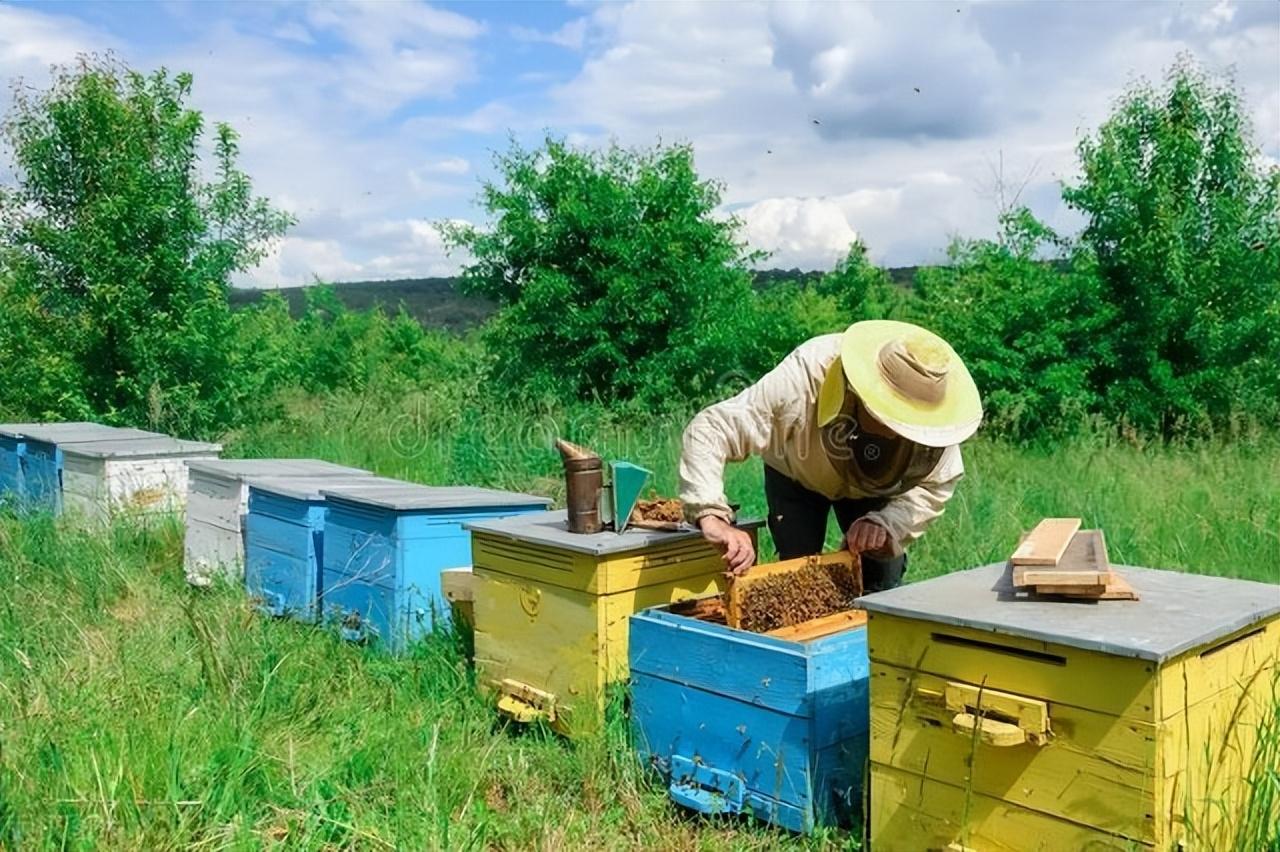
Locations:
(999, 722)
(552, 608)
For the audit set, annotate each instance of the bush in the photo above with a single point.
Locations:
(615, 277)
(1026, 327)
(1184, 219)
(119, 253)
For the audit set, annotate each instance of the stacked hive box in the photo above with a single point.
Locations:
(217, 501)
(101, 479)
(384, 549)
(284, 540)
(1000, 722)
(552, 608)
(745, 722)
(31, 457)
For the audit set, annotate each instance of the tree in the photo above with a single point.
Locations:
(1184, 220)
(1027, 327)
(616, 278)
(124, 250)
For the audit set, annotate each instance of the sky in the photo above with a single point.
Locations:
(904, 124)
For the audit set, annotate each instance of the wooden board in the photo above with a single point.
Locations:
(819, 627)
(1084, 562)
(741, 587)
(1046, 543)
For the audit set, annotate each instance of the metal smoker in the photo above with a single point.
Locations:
(593, 504)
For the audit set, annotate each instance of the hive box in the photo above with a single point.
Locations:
(740, 722)
(284, 540)
(551, 608)
(217, 501)
(1003, 722)
(384, 550)
(31, 458)
(143, 476)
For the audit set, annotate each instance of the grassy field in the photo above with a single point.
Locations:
(139, 713)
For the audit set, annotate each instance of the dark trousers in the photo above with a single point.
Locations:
(798, 522)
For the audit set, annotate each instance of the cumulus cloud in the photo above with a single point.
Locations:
(797, 231)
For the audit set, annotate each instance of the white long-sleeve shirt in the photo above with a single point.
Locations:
(776, 419)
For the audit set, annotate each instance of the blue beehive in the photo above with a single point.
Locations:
(284, 540)
(384, 550)
(740, 722)
(31, 458)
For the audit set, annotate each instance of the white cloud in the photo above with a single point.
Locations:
(798, 231)
(571, 35)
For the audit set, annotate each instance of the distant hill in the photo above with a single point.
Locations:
(437, 302)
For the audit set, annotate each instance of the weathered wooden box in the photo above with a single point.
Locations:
(1003, 722)
(217, 502)
(284, 540)
(740, 722)
(143, 476)
(31, 458)
(552, 608)
(384, 550)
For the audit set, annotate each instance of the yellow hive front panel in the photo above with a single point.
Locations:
(1049, 672)
(541, 636)
(911, 813)
(659, 563)
(1092, 768)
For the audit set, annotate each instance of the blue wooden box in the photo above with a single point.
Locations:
(284, 540)
(31, 458)
(740, 722)
(384, 550)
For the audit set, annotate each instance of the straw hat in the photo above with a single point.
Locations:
(909, 378)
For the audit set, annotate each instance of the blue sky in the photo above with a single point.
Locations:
(902, 123)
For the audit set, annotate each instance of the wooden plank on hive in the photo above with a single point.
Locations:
(1083, 563)
(740, 587)
(1046, 543)
(819, 627)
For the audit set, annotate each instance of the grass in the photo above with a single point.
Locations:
(143, 714)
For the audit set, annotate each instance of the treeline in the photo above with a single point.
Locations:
(618, 283)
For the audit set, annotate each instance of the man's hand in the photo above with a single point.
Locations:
(734, 544)
(864, 536)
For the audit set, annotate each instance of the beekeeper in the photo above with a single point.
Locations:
(867, 423)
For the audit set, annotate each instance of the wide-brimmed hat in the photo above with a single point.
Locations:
(909, 379)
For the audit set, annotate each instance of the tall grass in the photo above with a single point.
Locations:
(139, 713)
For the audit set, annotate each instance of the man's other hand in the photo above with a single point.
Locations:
(734, 544)
(866, 536)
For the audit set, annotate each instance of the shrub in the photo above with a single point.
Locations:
(1184, 219)
(615, 277)
(120, 253)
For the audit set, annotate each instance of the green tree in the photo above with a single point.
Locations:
(616, 278)
(123, 250)
(1184, 219)
(1025, 313)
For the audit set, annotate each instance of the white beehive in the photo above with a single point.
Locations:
(143, 476)
(217, 502)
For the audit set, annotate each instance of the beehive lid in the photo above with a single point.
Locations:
(313, 487)
(73, 433)
(246, 468)
(552, 529)
(140, 448)
(398, 496)
(1175, 613)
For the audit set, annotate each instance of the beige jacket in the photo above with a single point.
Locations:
(776, 419)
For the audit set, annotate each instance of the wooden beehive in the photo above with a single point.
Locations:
(551, 608)
(1000, 722)
(136, 477)
(217, 502)
(741, 722)
(384, 551)
(31, 458)
(284, 540)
